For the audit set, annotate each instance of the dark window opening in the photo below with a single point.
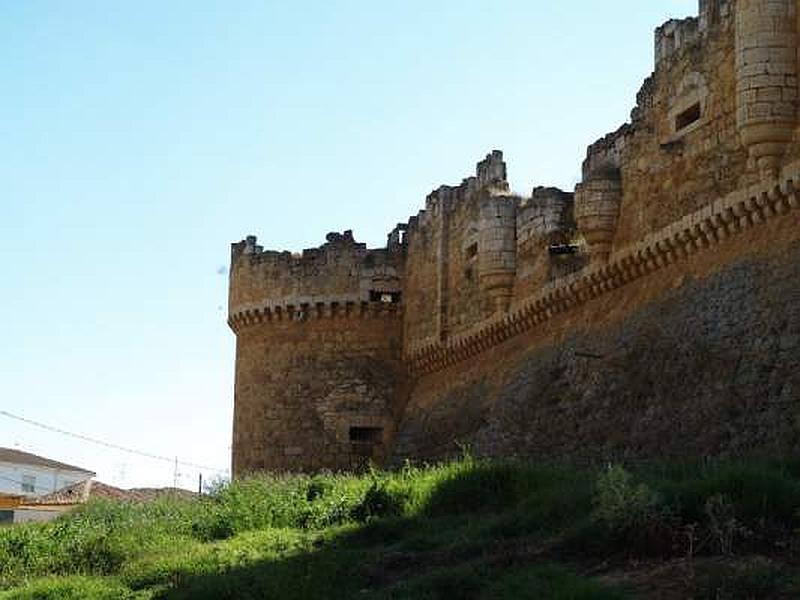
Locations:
(560, 249)
(28, 484)
(472, 250)
(687, 117)
(384, 297)
(366, 435)
(468, 273)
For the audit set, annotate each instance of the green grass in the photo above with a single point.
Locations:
(467, 529)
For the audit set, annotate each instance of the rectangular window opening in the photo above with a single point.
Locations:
(384, 297)
(687, 117)
(366, 435)
(28, 484)
(562, 249)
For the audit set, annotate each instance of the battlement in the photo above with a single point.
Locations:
(336, 244)
(677, 35)
(490, 178)
(340, 271)
(673, 36)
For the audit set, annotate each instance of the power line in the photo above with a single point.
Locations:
(92, 440)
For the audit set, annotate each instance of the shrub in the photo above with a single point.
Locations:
(379, 501)
(622, 504)
(635, 519)
(473, 486)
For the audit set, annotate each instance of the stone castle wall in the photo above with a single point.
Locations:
(650, 312)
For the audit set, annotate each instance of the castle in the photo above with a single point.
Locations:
(652, 313)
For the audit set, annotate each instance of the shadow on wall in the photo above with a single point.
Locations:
(711, 369)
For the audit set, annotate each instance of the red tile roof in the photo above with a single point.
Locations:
(84, 490)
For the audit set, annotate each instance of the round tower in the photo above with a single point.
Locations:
(497, 248)
(319, 383)
(766, 78)
(597, 207)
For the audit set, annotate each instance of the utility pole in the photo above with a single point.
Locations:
(200, 484)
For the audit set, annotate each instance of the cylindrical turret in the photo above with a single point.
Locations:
(497, 248)
(766, 77)
(597, 205)
(319, 383)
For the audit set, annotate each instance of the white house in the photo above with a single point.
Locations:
(29, 475)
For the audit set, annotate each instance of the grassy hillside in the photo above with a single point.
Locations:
(463, 530)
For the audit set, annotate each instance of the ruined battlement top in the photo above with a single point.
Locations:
(672, 41)
(674, 35)
(339, 271)
(602, 157)
(335, 244)
(677, 34)
(490, 177)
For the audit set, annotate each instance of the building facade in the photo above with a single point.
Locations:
(29, 475)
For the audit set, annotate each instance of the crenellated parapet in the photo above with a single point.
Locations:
(341, 270)
(695, 233)
(673, 36)
(490, 178)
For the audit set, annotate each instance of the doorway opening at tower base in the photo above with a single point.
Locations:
(365, 446)
(366, 435)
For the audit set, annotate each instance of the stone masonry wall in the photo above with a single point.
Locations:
(302, 386)
(341, 270)
(699, 359)
(443, 292)
(668, 171)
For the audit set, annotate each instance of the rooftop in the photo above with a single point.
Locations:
(9, 455)
(85, 490)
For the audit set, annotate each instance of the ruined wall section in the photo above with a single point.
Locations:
(681, 346)
(682, 148)
(477, 250)
(457, 253)
(422, 292)
(339, 271)
(545, 234)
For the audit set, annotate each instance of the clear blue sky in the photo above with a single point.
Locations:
(138, 139)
